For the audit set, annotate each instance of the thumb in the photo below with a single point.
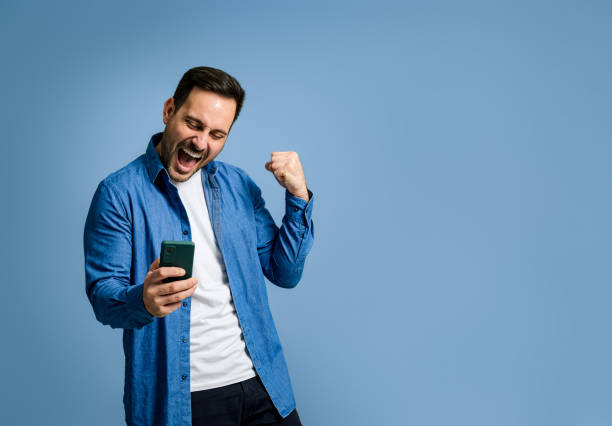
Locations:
(154, 265)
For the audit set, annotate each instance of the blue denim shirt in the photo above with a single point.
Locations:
(132, 211)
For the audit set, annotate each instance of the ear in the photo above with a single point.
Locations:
(168, 109)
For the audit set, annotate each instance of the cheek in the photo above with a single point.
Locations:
(170, 152)
(219, 146)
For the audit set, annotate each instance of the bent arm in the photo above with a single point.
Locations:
(282, 251)
(107, 243)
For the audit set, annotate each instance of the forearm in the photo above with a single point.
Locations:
(284, 257)
(107, 246)
(119, 305)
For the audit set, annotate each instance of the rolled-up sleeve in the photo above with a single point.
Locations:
(107, 243)
(282, 251)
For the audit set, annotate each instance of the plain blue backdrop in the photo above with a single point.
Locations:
(460, 157)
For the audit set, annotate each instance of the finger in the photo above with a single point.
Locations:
(154, 265)
(279, 156)
(283, 157)
(279, 163)
(272, 166)
(176, 286)
(168, 309)
(161, 274)
(175, 297)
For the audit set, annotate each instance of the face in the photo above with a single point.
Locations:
(196, 133)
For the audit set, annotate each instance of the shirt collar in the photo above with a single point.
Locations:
(154, 164)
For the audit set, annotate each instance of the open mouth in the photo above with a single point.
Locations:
(186, 159)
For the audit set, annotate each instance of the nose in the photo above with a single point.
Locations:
(200, 141)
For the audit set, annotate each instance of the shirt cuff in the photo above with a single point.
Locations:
(297, 209)
(137, 308)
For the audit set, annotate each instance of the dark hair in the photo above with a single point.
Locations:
(211, 79)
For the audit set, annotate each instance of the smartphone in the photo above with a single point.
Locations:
(177, 253)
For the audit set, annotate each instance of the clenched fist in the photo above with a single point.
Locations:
(161, 298)
(287, 169)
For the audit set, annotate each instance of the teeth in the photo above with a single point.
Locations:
(191, 153)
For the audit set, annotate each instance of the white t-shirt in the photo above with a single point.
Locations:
(218, 354)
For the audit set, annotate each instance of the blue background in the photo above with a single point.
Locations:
(459, 153)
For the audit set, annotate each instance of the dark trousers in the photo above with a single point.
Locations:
(243, 403)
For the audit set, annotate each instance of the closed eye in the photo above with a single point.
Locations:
(198, 125)
(192, 125)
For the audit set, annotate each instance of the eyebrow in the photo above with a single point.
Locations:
(189, 117)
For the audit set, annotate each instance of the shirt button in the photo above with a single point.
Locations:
(185, 232)
(184, 339)
(184, 377)
(295, 209)
(185, 304)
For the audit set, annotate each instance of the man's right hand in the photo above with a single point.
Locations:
(161, 298)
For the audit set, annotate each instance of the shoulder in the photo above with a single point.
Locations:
(234, 175)
(229, 169)
(119, 185)
(128, 177)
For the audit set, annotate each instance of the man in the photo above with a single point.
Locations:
(203, 350)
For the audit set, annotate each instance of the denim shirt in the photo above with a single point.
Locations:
(132, 211)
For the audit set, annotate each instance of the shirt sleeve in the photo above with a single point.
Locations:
(107, 244)
(282, 251)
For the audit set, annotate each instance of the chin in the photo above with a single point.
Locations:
(181, 177)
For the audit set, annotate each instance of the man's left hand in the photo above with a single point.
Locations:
(287, 170)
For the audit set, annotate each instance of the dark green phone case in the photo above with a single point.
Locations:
(177, 253)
